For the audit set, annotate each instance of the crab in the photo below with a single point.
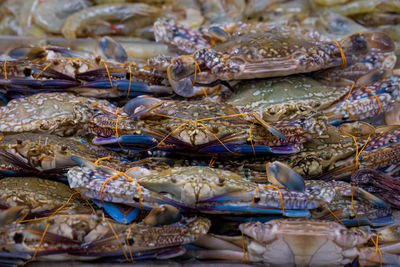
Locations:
(379, 153)
(379, 183)
(45, 153)
(303, 242)
(38, 194)
(354, 206)
(201, 126)
(201, 189)
(248, 53)
(89, 236)
(59, 113)
(287, 97)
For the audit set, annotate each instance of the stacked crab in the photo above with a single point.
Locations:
(254, 131)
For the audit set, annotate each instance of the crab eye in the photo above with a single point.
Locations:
(214, 129)
(18, 237)
(130, 241)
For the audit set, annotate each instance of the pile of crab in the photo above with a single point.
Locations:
(273, 141)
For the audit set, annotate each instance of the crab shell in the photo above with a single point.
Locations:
(47, 152)
(191, 184)
(303, 242)
(202, 126)
(59, 113)
(38, 194)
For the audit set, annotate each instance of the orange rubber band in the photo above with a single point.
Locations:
(376, 97)
(116, 237)
(280, 194)
(333, 214)
(347, 98)
(127, 243)
(40, 73)
(126, 176)
(108, 73)
(212, 161)
(376, 251)
(5, 69)
(355, 142)
(130, 81)
(244, 250)
(103, 158)
(344, 61)
(254, 197)
(40, 243)
(352, 206)
(251, 138)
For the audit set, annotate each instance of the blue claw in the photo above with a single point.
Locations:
(14, 258)
(7, 172)
(371, 198)
(281, 174)
(41, 84)
(93, 75)
(133, 140)
(135, 88)
(119, 213)
(251, 210)
(51, 73)
(3, 99)
(379, 222)
(248, 149)
(236, 148)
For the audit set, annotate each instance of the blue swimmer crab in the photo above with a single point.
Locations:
(59, 113)
(64, 70)
(201, 126)
(306, 243)
(187, 188)
(288, 97)
(39, 196)
(247, 53)
(206, 190)
(89, 236)
(39, 153)
(379, 153)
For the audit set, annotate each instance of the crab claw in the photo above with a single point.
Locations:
(218, 33)
(111, 49)
(370, 197)
(246, 209)
(134, 88)
(161, 215)
(390, 234)
(40, 84)
(13, 214)
(14, 258)
(119, 213)
(179, 75)
(283, 176)
(28, 53)
(141, 105)
(128, 140)
(93, 75)
(267, 126)
(250, 149)
(370, 41)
